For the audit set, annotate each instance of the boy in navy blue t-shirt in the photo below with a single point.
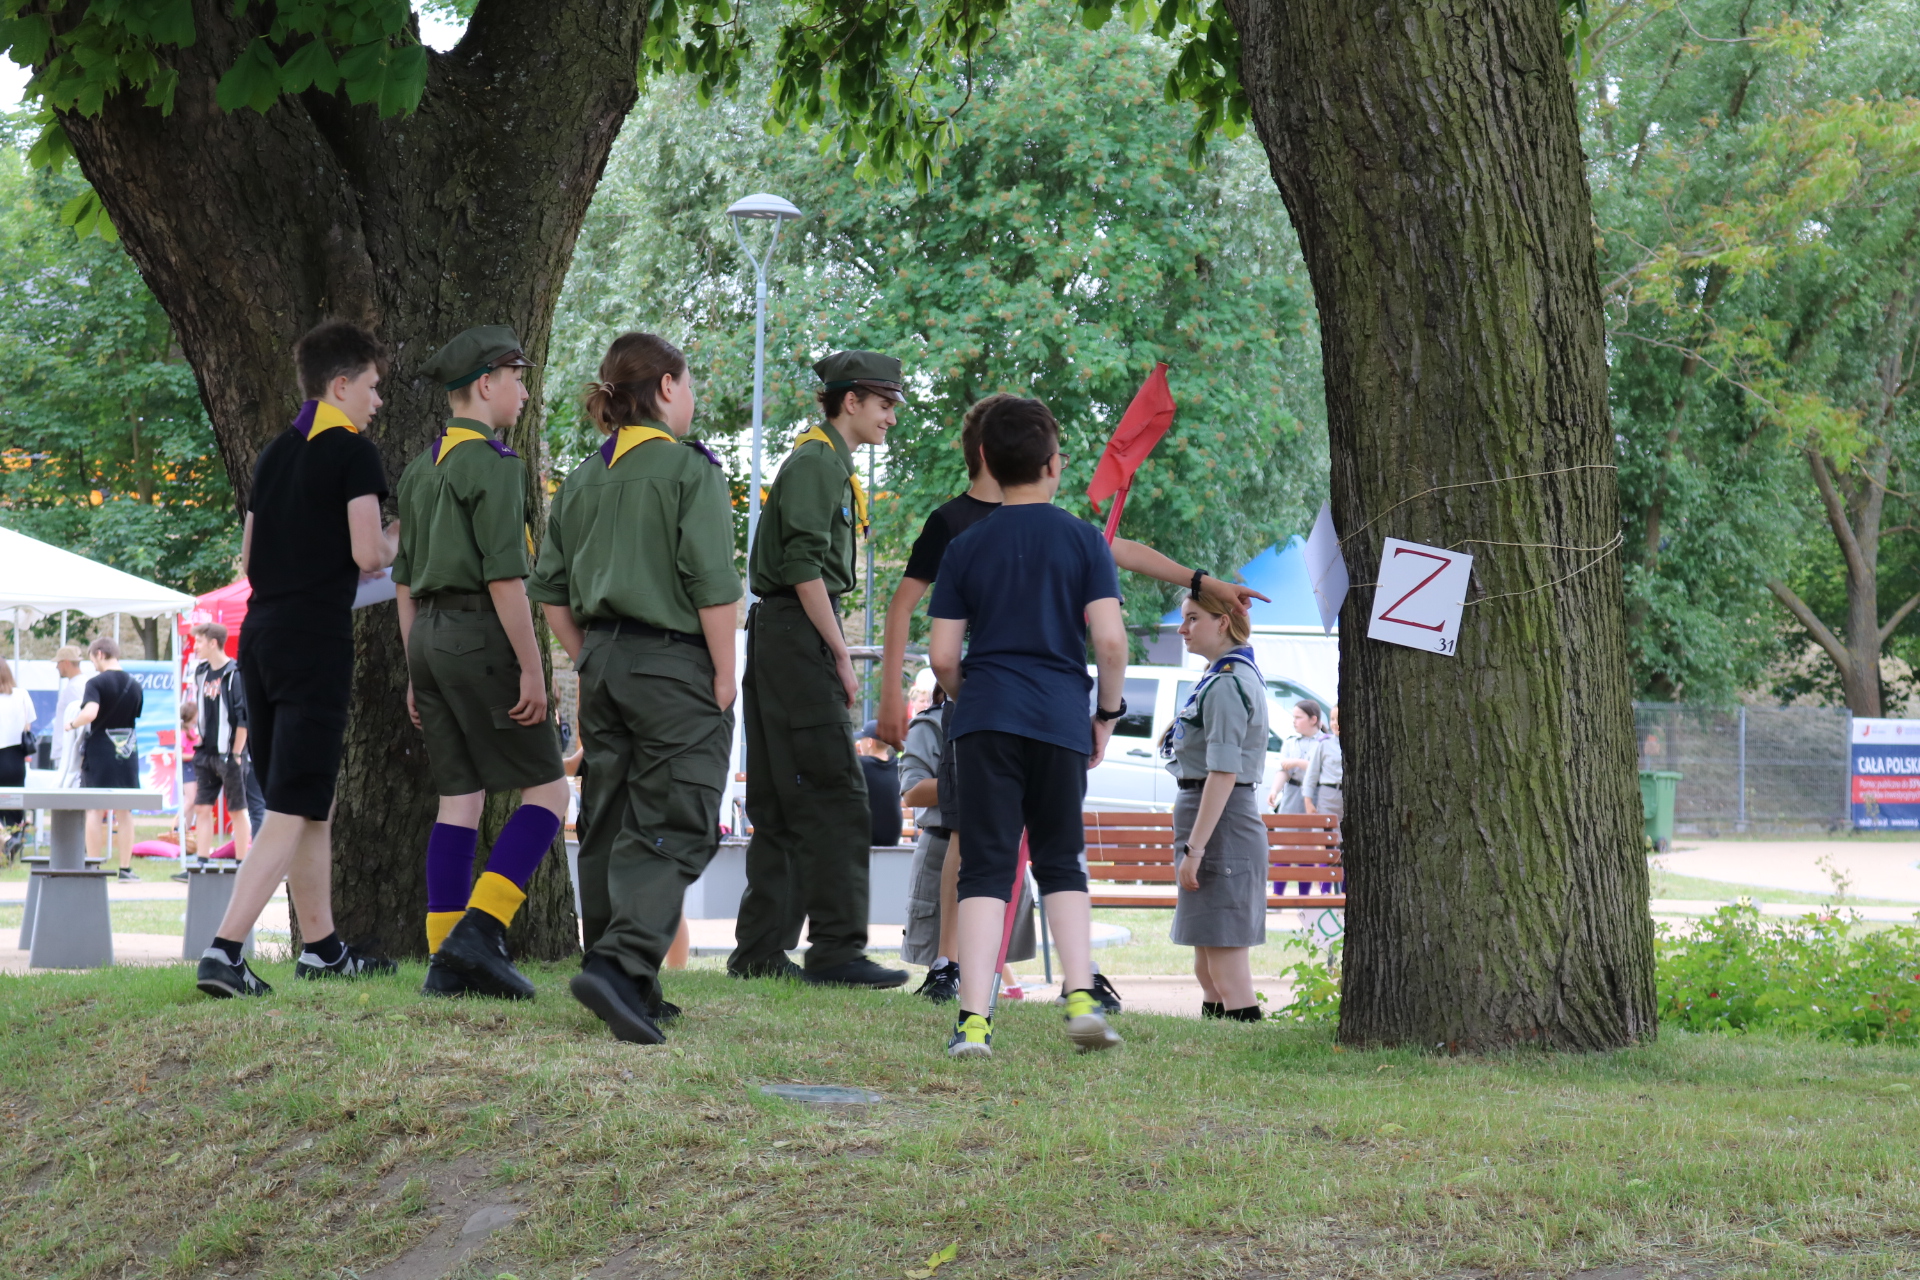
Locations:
(1025, 588)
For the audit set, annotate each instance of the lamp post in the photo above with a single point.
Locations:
(763, 208)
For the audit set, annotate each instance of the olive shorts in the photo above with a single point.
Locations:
(465, 681)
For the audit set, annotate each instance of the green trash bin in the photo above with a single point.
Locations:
(1656, 803)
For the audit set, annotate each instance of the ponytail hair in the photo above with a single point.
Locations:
(629, 385)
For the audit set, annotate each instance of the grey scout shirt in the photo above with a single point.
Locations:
(1223, 729)
(921, 760)
(1327, 768)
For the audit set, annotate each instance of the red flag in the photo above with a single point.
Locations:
(1141, 427)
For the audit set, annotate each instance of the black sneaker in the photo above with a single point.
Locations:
(607, 992)
(351, 964)
(181, 876)
(860, 972)
(942, 984)
(222, 979)
(442, 981)
(1103, 992)
(663, 1011)
(126, 873)
(476, 949)
(781, 968)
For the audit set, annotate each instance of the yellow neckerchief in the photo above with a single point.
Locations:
(631, 436)
(453, 437)
(859, 491)
(326, 417)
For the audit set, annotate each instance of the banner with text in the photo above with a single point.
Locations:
(1886, 774)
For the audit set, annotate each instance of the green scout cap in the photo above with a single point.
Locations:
(477, 351)
(868, 370)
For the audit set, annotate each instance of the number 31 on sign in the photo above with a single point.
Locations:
(1419, 598)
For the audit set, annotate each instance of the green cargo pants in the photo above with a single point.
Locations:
(656, 753)
(806, 799)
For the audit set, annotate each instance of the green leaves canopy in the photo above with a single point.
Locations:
(1065, 247)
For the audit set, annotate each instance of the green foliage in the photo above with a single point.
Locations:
(1819, 976)
(1756, 186)
(104, 446)
(1064, 249)
(366, 47)
(1315, 984)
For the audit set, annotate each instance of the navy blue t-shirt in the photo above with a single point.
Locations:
(1023, 581)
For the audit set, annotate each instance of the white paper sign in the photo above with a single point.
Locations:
(1421, 592)
(374, 590)
(1326, 570)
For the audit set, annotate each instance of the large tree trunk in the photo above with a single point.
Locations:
(250, 229)
(1429, 155)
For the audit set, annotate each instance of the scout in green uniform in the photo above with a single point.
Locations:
(477, 690)
(806, 797)
(638, 582)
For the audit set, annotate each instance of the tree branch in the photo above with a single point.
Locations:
(1836, 508)
(1815, 628)
(1899, 616)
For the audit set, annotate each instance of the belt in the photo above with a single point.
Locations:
(1194, 784)
(634, 627)
(479, 601)
(788, 593)
(1329, 786)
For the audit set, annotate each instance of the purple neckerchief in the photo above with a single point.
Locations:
(303, 421)
(606, 450)
(498, 447)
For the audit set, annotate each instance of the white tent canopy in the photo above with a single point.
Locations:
(37, 578)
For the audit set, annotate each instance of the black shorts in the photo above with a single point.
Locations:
(1010, 783)
(214, 773)
(298, 684)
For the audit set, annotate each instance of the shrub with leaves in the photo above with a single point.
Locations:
(1316, 989)
(1817, 975)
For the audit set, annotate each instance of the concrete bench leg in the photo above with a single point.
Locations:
(208, 893)
(26, 921)
(73, 928)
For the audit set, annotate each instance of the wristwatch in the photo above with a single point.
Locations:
(1103, 715)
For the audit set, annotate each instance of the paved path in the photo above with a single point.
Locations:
(1877, 868)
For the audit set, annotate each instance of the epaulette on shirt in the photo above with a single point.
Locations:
(700, 448)
(442, 442)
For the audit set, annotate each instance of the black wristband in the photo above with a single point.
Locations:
(1194, 588)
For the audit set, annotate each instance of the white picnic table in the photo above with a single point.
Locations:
(67, 923)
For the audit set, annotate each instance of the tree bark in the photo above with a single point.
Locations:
(1429, 155)
(252, 228)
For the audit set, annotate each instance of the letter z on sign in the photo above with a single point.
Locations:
(1420, 595)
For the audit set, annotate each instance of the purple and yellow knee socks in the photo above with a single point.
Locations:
(502, 887)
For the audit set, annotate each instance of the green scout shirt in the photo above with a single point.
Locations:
(806, 524)
(649, 537)
(463, 519)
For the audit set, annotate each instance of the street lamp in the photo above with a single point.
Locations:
(764, 208)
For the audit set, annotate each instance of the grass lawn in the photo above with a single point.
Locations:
(331, 1131)
(1668, 885)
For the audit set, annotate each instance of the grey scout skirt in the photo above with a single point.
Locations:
(1230, 907)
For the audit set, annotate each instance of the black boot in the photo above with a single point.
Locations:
(442, 981)
(476, 949)
(1212, 1009)
(858, 972)
(606, 990)
(1249, 1014)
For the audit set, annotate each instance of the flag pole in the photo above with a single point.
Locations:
(1113, 516)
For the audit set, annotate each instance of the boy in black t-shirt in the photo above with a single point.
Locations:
(313, 528)
(110, 704)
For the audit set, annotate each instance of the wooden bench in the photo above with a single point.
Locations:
(1130, 859)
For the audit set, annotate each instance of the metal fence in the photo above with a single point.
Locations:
(1749, 768)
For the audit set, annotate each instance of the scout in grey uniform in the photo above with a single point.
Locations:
(477, 688)
(806, 798)
(638, 582)
(1216, 749)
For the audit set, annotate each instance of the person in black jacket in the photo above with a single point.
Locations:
(109, 706)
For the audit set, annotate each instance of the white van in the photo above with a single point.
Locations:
(1133, 776)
